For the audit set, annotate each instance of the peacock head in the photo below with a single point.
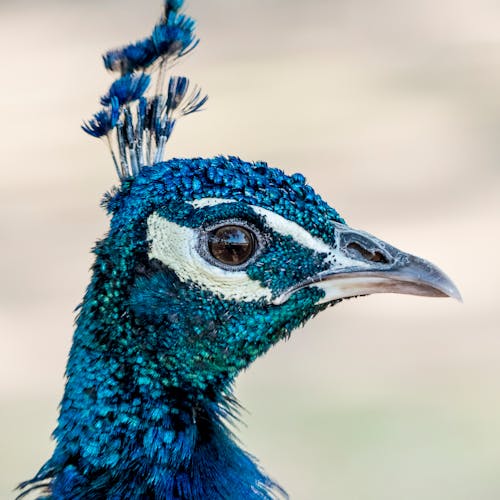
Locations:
(221, 258)
(209, 262)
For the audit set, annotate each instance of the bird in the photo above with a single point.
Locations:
(207, 264)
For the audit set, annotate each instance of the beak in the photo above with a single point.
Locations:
(361, 264)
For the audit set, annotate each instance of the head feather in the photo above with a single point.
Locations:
(136, 121)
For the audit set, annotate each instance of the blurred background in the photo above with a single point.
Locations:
(391, 110)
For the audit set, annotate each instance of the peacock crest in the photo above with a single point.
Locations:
(143, 104)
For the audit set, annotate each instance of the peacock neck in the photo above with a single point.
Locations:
(124, 435)
(131, 424)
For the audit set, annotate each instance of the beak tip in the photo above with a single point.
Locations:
(454, 293)
(444, 284)
(432, 278)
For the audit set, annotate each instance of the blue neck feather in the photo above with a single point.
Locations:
(137, 419)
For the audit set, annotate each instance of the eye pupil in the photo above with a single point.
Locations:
(231, 245)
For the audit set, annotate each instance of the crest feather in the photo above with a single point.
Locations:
(137, 125)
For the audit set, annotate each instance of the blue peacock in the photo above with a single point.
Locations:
(207, 264)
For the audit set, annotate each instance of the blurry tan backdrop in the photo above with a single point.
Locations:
(391, 108)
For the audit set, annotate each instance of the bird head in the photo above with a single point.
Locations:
(211, 261)
(224, 258)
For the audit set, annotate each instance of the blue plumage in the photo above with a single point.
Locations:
(207, 264)
(128, 88)
(153, 358)
(104, 121)
(172, 37)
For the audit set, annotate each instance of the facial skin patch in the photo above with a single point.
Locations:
(176, 247)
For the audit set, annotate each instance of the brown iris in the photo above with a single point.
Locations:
(232, 245)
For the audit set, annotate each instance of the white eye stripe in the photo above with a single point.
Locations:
(335, 257)
(276, 222)
(209, 202)
(286, 227)
(289, 228)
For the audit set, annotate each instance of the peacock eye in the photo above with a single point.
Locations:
(232, 245)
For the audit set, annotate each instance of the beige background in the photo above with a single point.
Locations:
(391, 109)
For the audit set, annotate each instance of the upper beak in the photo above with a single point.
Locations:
(362, 264)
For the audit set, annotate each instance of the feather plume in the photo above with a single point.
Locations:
(138, 125)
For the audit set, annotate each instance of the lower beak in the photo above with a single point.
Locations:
(416, 277)
(365, 265)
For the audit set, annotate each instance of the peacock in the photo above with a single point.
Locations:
(207, 264)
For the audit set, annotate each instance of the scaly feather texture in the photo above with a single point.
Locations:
(153, 358)
(207, 264)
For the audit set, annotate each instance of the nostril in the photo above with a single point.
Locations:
(375, 256)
